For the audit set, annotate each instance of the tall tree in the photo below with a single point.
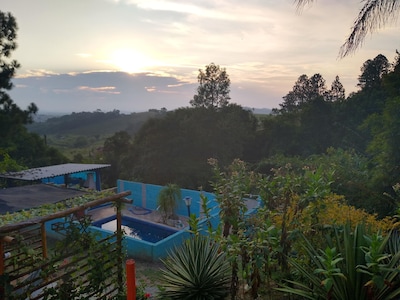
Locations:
(373, 71)
(373, 15)
(337, 91)
(116, 152)
(11, 116)
(214, 88)
(25, 148)
(304, 90)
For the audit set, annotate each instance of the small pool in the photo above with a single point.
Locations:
(137, 229)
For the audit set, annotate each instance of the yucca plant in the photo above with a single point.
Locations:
(355, 266)
(197, 270)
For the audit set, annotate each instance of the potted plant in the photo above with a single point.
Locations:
(167, 201)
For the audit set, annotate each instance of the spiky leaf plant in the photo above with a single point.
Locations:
(363, 266)
(197, 270)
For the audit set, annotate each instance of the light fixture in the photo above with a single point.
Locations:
(188, 202)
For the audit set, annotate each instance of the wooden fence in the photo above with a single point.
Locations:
(79, 266)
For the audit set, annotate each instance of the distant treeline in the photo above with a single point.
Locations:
(93, 123)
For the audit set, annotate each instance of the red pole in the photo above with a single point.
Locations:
(130, 280)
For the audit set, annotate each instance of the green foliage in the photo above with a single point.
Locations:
(355, 265)
(141, 293)
(344, 172)
(7, 164)
(305, 90)
(198, 270)
(176, 148)
(372, 72)
(89, 124)
(385, 129)
(329, 259)
(251, 242)
(85, 133)
(88, 267)
(230, 188)
(116, 152)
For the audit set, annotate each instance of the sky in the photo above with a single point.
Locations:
(136, 55)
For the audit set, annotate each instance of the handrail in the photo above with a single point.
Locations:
(43, 219)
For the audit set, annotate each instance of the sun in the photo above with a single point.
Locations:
(130, 61)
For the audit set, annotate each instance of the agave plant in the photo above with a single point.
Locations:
(355, 266)
(197, 270)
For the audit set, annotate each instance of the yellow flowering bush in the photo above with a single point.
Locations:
(330, 211)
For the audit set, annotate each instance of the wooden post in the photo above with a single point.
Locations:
(44, 240)
(130, 280)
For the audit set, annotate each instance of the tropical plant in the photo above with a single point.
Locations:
(355, 265)
(141, 293)
(230, 188)
(197, 270)
(167, 201)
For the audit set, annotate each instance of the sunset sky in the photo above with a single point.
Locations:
(134, 55)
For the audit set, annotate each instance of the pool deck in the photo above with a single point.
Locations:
(152, 216)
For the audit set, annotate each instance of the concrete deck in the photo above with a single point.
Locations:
(152, 216)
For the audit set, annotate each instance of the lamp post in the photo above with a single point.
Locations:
(188, 202)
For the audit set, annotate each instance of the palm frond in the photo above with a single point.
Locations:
(372, 16)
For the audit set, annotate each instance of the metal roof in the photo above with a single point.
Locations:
(52, 171)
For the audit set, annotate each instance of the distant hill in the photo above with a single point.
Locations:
(99, 123)
(84, 133)
(91, 123)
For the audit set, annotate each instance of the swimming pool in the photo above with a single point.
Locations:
(137, 229)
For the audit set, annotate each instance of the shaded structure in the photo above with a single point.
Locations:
(30, 196)
(35, 193)
(64, 170)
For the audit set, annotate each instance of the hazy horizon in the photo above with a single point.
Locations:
(134, 55)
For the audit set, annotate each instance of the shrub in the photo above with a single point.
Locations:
(355, 265)
(197, 270)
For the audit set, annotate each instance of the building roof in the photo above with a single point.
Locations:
(30, 196)
(52, 171)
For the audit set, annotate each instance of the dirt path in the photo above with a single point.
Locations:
(148, 275)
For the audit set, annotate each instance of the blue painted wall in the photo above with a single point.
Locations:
(145, 195)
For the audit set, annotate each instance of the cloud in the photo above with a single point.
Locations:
(88, 91)
(101, 90)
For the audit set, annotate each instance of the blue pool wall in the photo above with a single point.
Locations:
(145, 195)
(134, 248)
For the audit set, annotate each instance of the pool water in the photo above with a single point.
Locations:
(137, 229)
